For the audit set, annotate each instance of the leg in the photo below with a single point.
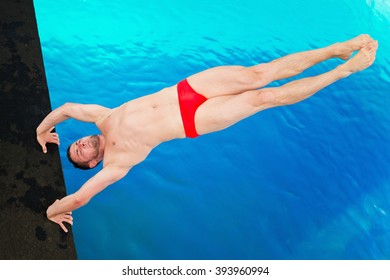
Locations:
(294, 64)
(299, 90)
(221, 112)
(229, 80)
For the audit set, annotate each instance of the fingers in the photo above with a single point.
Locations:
(68, 218)
(63, 227)
(60, 219)
(44, 149)
(55, 138)
(42, 143)
(48, 138)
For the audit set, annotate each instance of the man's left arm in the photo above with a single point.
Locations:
(81, 112)
(60, 210)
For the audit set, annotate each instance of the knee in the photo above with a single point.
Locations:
(251, 78)
(270, 97)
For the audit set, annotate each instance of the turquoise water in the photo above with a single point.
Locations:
(308, 181)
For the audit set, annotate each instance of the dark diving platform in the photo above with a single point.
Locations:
(29, 180)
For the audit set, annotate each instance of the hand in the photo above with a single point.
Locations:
(48, 137)
(61, 218)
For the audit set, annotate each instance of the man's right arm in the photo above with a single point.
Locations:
(61, 210)
(81, 112)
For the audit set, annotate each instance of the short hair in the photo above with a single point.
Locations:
(75, 164)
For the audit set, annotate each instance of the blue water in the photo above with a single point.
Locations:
(308, 181)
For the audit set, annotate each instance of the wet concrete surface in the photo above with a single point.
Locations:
(29, 180)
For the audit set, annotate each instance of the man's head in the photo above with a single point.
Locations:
(86, 152)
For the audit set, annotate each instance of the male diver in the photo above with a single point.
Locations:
(205, 102)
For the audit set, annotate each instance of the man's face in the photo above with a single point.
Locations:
(85, 149)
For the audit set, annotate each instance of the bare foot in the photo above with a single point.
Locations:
(345, 49)
(362, 60)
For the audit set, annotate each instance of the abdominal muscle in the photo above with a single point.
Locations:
(132, 130)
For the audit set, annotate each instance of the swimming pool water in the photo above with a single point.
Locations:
(308, 181)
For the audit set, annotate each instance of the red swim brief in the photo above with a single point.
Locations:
(189, 102)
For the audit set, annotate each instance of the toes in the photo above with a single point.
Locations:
(371, 46)
(365, 38)
(376, 44)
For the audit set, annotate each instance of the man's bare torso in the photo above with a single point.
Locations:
(132, 130)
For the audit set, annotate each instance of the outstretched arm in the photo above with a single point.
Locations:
(60, 210)
(81, 112)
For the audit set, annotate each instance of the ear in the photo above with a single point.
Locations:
(92, 163)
